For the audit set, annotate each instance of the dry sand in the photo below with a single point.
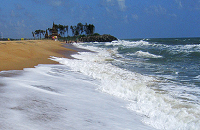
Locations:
(16, 55)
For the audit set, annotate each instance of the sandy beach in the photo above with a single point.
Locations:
(16, 55)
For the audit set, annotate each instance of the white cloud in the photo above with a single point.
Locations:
(159, 9)
(173, 15)
(108, 2)
(17, 24)
(135, 16)
(55, 2)
(19, 7)
(179, 2)
(21, 23)
(186, 4)
(156, 10)
(122, 5)
(12, 14)
(117, 4)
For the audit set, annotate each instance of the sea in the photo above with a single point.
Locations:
(132, 84)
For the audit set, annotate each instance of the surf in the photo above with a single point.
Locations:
(160, 100)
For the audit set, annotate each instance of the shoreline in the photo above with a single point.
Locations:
(17, 55)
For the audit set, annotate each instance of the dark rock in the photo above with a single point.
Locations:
(99, 38)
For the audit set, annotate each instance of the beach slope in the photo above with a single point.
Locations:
(16, 55)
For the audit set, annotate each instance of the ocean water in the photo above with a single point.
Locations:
(159, 78)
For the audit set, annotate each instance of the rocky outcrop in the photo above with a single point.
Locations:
(98, 38)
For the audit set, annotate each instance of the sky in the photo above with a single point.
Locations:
(121, 18)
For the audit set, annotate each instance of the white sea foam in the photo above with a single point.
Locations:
(128, 43)
(146, 55)
(135, 43)
(174, 48)
(161, 110)
(183, 48)
(197, 77)
(56, 97)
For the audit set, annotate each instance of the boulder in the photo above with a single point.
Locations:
(98, 38)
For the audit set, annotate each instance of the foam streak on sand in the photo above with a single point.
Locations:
(16, 55)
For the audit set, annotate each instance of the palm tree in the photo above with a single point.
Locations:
(61, 29)
(91, 29)
(50, 31)
(33, 34)
(66, 29)
(39, 32)
(80, 27)
(73, 31)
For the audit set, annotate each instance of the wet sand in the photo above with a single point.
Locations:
(16, 55)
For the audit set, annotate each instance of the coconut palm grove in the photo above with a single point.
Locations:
(61, 30)
(80, 33)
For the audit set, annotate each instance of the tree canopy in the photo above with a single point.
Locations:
(79, 29)
(38, 33)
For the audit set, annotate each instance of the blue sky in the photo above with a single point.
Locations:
(121, 18)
